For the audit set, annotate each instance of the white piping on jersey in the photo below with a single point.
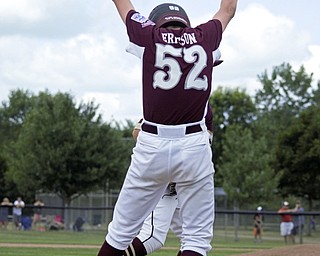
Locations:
(135, 50)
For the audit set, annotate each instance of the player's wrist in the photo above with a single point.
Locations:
(137, 127)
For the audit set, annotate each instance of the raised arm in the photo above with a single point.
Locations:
(226, 12)
(123, 7)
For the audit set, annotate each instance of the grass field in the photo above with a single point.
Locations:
(87, 243)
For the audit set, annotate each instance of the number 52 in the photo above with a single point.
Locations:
(168, 80)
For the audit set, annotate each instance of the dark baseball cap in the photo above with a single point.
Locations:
(169, 14)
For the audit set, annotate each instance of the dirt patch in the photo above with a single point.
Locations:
(292, 250)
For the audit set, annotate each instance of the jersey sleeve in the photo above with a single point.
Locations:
(139, 29)
(212, 31)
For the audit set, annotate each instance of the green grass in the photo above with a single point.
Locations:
(52, 237)
(46, 252)
(223, 243)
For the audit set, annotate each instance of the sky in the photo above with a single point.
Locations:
(78, 47)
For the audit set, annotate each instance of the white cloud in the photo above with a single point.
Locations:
(119, 107)
(52, 19)
(24, 10)
(312, 65)
(257, 40)
(85, 66)
(78, 61)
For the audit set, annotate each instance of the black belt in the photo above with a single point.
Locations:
(154, 130)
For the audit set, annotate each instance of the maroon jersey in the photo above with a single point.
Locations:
(177, 68)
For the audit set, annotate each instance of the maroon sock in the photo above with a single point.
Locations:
(179, 253)
(107, 250)
(137, 248)
(190, 253)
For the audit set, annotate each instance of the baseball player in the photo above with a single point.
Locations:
(166, 214)
(172, 146)
(153, 233)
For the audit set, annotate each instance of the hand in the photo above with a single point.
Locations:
(136, 131)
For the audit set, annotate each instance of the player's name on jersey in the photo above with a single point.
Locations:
(185, 38)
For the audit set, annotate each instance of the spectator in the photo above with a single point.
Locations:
(298, 221)
(17, 212)
(313, 223)
(286, 225)
(4, 212)
(56, 223)
(37, 216)
(26, 222)
(77, 226)
(257, 228)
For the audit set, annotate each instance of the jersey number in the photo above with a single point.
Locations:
(168, 80)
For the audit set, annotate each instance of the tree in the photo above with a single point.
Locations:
(12, 115)
(13, 112)
(64, 149)
(298, 156)
(2, 178)
(245, 167)
(284, 94)
(286, 89)
(229, 107)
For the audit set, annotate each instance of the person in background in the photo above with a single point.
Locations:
(257, 227)
(56, 223)
(313, 222)
(18, 205)
(37, 216)
(4, 212)
(298, 220)
(286, 225)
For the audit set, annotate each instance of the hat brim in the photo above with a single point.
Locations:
(172, 18)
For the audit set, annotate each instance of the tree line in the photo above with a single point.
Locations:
(266, 147)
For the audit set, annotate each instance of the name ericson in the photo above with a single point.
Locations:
(186, 38)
